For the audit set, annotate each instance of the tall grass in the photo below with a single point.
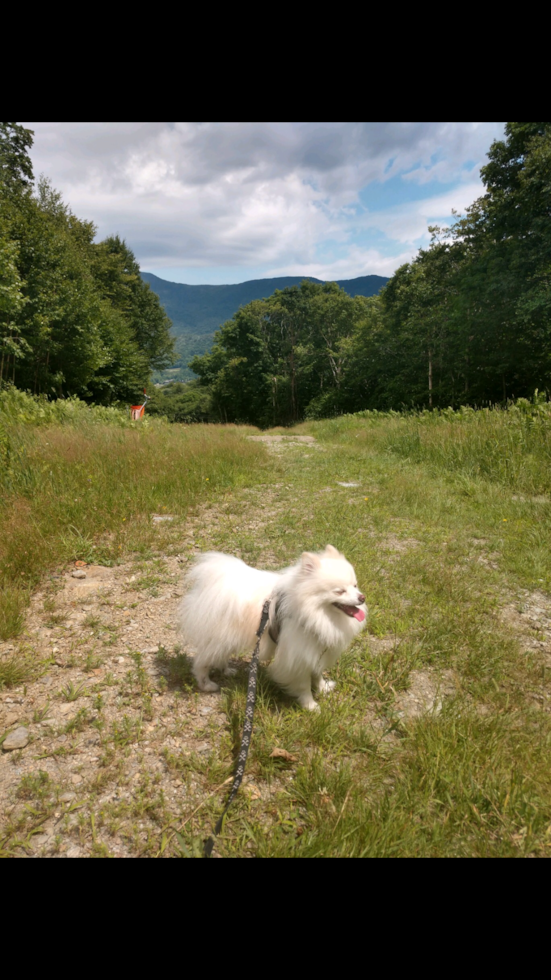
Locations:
(88, 491)
(511, 447)
(19, 407)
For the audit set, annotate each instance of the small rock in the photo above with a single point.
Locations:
(11, 718)
(76, 779)
(67, 797)
(253, 792)
(40, 839)
(120, 660)
(17, 739)
(66, 708)
(150, 650)
(73, 852)
(79, 573)
(48, 723)
(347, 484)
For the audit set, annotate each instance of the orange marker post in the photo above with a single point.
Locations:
(137, 411)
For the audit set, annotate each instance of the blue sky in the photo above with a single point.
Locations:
(227, 202)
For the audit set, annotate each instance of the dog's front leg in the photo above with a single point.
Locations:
(204, 682)
(306, 700)
(322, 686)
(297, 686)
(292, 665)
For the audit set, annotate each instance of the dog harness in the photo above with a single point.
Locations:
(274, 628)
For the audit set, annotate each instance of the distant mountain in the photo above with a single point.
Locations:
(197, 311)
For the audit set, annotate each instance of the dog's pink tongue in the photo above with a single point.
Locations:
(359, 615)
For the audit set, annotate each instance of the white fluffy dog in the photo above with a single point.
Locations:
(315, 612)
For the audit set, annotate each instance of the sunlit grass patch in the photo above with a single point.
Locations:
(20, 666)
(13, 605)
(88, 493)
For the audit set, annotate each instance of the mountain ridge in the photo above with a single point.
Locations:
(197, 311)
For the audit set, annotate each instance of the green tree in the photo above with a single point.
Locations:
(61, 317)
(239, 367)
(275, 355)
(179, 402)
(13, 347)
(505, 281)
(118, 276)
(75, 316)
(15, 181)
(16, 172)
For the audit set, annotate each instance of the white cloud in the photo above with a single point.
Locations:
(409, 222)
(357, 262)
(250, 195)
(253, 224)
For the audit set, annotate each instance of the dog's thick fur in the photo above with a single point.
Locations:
(316, 612)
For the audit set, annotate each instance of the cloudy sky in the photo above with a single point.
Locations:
(226, 202)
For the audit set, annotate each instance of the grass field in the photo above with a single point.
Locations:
(83, 483)
(436, 741)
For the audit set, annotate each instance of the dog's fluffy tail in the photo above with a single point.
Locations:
(220, 612)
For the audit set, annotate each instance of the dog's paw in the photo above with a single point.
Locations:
(307, 701)
(325, 686)
(208, 687)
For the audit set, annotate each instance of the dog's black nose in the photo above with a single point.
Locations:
(361, 598)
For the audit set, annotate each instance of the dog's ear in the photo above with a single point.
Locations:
(332, 552)
(309, 562)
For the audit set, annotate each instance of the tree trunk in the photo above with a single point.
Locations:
(430, 378)
(293, 386)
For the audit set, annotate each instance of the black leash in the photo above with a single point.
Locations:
(247, 727)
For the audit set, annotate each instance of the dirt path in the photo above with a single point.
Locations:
(92, 770)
